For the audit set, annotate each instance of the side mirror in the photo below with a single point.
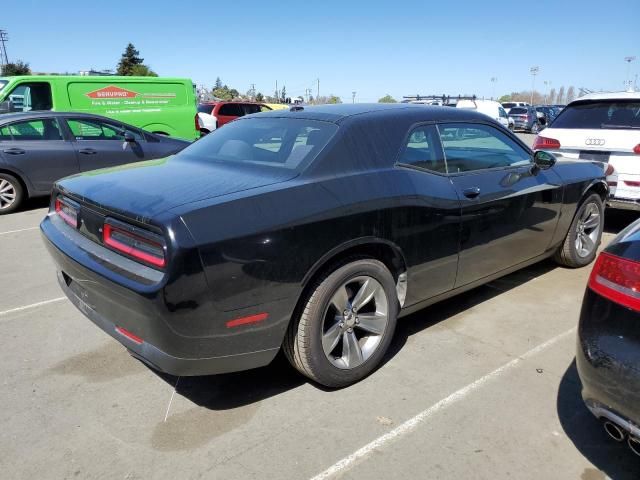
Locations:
(544, 160)
(6, 106)
(129, 138)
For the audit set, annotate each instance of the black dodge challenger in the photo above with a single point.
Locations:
(312, 230)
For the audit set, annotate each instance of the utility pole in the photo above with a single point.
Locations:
(253, 91)
(493, 86)
(318, 90)
(353, 97)
(534, 71)
(4, 37)
(277, 95)
(547, 84)
(627, 82)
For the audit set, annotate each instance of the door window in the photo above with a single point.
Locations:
(250, 108)
(231, 110)
(469, 147)
(423, 150)
(502, 112)
(88, 129)
(30, 96)
(42, 129)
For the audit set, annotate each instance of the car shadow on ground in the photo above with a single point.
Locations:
(33, 204)
(616, 220)
(233, 390)
(613, 459)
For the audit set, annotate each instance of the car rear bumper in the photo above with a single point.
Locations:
(623, 203)
(184, 337)
(608, 361)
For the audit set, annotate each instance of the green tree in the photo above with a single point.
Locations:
(259, 97)
(218, 83)
(283, 94)
(130, 58)
(333, 99)
(142, 71)
(504, 98)
(387, 99)
(15, 69)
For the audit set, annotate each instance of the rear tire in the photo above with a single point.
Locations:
(11, 193)
(581, 243)
(345, 325)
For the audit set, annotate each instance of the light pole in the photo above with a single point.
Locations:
(547, 84)
(534, 71)
(353, 97)
(493, 86)
(628, 80)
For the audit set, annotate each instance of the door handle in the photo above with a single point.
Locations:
(471, 192)
(14, 151)
(88, 151)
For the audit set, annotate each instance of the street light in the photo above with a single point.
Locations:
(493, 86)
(628, 80)
(547, 84)
(534, 71)
(353, 97)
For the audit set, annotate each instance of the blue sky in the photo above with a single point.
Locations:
(372, 47)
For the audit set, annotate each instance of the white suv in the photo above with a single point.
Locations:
(602, 127)
(489, 108)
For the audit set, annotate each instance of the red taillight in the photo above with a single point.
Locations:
(197, 120)
(545, 143)
(609, 170)
(612, 184)
(145, 247)
(67, 212)
(632, 183)
(617, 279)
(636, 149)
(126, 333)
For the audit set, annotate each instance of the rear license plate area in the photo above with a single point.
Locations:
(80, 292)
(594, 156)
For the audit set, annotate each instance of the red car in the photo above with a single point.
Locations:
(224, 112)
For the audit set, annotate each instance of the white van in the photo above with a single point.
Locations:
(509, 105)
(490, 108)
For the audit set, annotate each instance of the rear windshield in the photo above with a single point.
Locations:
(618, 114)
(518, 110)
(289, 143)
(508, 105)
(3, 83)
(205, 108)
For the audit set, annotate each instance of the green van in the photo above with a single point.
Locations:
(160, 105)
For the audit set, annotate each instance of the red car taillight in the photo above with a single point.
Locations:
(636, 149)
(67, 211)
(197, 120)
(617, 279)
(145, 247)
(545, 143)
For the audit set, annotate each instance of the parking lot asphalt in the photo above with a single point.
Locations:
(480, 386)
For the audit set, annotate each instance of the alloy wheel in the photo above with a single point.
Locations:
(588, 230)
(7, 194)
(355, 322)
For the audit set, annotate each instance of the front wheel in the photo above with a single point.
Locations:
(580, 246)
(346, 324)
(535, 128)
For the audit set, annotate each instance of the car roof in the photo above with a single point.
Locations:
(610, 96)
(340, 112)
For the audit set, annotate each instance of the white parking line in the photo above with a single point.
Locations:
(20, 230)
(414, 422)
(33, 305)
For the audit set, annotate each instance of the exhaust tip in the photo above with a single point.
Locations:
(634, 444)
(614, 431)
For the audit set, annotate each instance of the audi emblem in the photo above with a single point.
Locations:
(594, 142)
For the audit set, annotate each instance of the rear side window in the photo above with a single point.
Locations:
(30, 130)
(508, 105)
(231, 110)
(470, 147)
(423, 150)
(616, 114)
(205, 108)
(274, 142)
(250, 108)
(518, 110)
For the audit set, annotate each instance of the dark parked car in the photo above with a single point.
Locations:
(548, 112)
(38, 148)
(525, 118)
(312, 231)
(608, 356)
